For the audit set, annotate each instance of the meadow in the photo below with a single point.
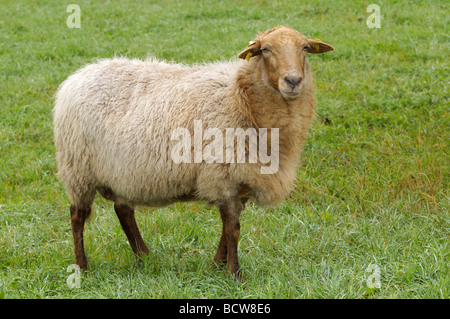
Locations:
(372, 195)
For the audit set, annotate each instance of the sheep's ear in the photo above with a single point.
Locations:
(253, 49)
(317, 46)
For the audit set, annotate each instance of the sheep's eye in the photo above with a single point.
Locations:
(265, 50)
(306, 47)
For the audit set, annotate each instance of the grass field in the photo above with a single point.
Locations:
(373, 187)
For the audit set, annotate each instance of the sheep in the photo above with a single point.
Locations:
(114, 121)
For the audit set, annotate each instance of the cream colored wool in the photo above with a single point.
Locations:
(113, 122)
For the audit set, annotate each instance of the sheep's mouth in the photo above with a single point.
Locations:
(290, 94)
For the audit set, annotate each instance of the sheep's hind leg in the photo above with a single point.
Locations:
(78, 217)
(220, 259)
(130, 227)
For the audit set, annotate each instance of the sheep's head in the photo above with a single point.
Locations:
(282, 51)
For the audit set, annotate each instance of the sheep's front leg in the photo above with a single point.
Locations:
(130, 227)
(230, 212)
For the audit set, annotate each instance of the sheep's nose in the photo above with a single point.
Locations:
(293, 81)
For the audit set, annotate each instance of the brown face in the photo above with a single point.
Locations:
(284, 57)
(283, 51)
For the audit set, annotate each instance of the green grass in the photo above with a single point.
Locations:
(373, 186)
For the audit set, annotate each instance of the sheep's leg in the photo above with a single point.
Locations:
(78, 217)
(230, 213)
(130, 227)
(221, 255)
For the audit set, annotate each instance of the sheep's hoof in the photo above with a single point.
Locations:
(238, 276)
(222, 263)
(236, 272)
(139, 261)
(83, 264)
(219, 264)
